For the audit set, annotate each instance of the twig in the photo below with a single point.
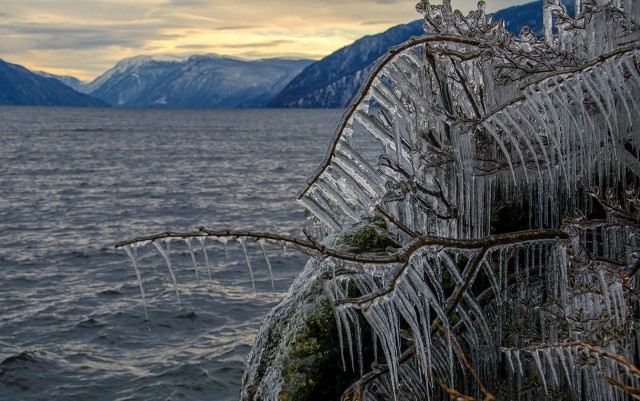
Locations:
(396, 222)
(400, 256)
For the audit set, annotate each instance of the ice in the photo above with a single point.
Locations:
(193, 257)
(516, 354)
(241, 241)
(507, 352)
(204, 252)
(605, 291)
(470, 133)
(261, 243)
(551, 362)
(561, 357)
(164, 251)
(132, 252)
(541, 370)
(224, 241)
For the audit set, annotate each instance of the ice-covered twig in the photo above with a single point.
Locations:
(400, 256)
(618, 359)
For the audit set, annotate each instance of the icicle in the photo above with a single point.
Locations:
(165, 254)
(503, 148)
(374, 127)
(193, 257)
(488, 269)
(507, 352)
(605, 293)
(132, 252)
(311, 204)
(547, 354)
(206, 257)
(560, 352)
(536, 358)
(516, 354)
(241, 240)
(261, 242)
(356, 323)
(347, 327)
(481, 319)
(330, 193)
(336, 314)
(514, 143)
(224, 241)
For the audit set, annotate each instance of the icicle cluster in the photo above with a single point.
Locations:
(468, 132)
(482, 140)
(199, 255)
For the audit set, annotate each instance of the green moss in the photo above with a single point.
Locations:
(368, 238)
(314, 359)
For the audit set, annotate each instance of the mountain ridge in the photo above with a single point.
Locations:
(216, 81)
(21, 87)
(333, 81)
(199, 81)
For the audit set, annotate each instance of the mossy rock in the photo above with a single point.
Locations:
(314, 359)
(297, 356)
(371, 237)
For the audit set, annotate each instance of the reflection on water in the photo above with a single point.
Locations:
(76, 181)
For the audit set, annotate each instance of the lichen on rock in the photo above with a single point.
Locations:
(297, 354)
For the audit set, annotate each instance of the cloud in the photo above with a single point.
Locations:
(186, 3)
(270, 43)
(237, 27)
(378, 22)
(193, 47)
(91, 36)
(48, 37)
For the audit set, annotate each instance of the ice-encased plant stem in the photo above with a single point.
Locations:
(507, 168)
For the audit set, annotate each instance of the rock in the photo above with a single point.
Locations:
(297, 353)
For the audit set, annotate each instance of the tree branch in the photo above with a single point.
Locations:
(400, 256)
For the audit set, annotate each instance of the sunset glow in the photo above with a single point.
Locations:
(86, 38)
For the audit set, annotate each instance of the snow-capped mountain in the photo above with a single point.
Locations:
(72, 82)
(208, 81)
(333, 81)
(19, 86)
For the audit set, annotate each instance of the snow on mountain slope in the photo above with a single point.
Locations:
(207, 81)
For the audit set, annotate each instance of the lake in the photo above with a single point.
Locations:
(76, 181)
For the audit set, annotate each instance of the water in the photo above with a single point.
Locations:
(75, 181)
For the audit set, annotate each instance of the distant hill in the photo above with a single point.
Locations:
(333, 81)
(72, 82)
(208, 81)
(19, 86)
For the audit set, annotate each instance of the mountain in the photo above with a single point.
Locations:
(333, 81)
(71, 82)
(208, 81)
(530, 14)
(19, 86)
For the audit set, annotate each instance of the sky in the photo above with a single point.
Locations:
(84, 38)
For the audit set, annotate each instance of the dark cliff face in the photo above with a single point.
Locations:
(21, 87)
(333, 81)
